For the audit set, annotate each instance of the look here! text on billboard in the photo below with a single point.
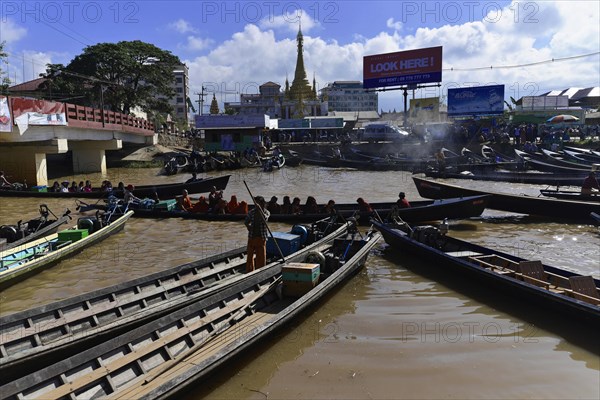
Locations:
(410, 67)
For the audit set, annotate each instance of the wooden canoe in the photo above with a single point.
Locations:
(576, 295)
(43, 334)
(167, 190)
(163, 357)
(422, 210)
(570, 195)
(522, 204)
(22, 261)
(22, 233)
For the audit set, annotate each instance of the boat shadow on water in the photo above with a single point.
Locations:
(520, 311)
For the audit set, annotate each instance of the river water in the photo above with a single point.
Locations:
(401, 329)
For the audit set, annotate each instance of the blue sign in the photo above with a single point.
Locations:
(479, 100)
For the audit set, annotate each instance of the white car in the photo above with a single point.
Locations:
(384, 132)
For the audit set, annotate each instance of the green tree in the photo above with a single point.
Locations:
(121, 75)
(4, 81)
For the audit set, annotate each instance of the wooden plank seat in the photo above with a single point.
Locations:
(496, 263)
(584, 288)
(533, 272)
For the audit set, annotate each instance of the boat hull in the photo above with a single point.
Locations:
(463, 256)
(545, 207)
(15, 274)
(458, 208)
(201, 337)
(163, 190)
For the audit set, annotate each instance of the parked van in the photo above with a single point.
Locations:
(384, 132)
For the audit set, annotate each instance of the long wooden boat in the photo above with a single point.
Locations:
(570, 195)
(44, 334)
(545, 207)
(553, 287)
(22, 261)
(21, 233)
(538, 178)
(167, 190)
(163, 357)
(421, 210)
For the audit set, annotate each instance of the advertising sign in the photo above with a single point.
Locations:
(428, 104)
(29, 112)
(5, 119)
(478, 100)
(410, 67)
(544, 102)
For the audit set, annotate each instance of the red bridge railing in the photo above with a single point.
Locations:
(94, 118)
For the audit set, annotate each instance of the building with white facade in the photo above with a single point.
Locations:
(349, 96)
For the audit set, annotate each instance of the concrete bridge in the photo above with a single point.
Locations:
(34, 128)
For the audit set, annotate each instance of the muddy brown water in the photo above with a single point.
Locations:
(400, 329)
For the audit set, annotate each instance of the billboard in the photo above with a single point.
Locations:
(544, 102)
(427, 104)
(410, 67)
(478, 100)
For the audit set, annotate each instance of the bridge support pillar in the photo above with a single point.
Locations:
(90, 156)
(27, 163)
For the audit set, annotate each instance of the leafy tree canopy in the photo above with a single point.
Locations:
(4, 81)
(121, 75)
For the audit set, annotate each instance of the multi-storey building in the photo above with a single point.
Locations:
(179, 102)
(349, 96)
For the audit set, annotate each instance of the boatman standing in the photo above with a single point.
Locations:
(256, 223)
(589, 184)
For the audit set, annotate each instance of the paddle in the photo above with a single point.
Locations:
(262, 215)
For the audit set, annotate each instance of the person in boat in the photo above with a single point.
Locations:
(155, 197)
(402, 202)
(286, 206)
(590, 184)
(201, 206)
(256, 223)
(232, 205)
(363, 206)
(55, 187)
(273, 206)
(311, 206)
(3, 181)
(87, 188)
(221, 207)
(65, 187)
(73, 188)
(214, 196)
(128, 196)
(440, 159)
(80, 187)
(194, 178)
(329, 208)
(186, 201)
(295, 207)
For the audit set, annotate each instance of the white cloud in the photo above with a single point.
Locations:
(10, 32)
(395, 25)
(195, 43)
(556, 29)
(182, 26)
(290, 22)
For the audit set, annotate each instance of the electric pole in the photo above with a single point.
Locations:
(201, 99)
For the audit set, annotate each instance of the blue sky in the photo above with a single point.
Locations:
(234, 46)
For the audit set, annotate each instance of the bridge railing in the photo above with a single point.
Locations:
(94, 118)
